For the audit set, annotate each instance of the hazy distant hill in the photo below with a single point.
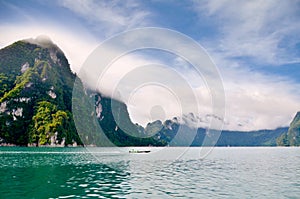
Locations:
(168, 130)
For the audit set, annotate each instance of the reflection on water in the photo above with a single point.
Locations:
(107, 173)
(48, 174)
(64, 181)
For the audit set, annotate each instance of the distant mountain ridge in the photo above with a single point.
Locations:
(36, 85)
(169, 128)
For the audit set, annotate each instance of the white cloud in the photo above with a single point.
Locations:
(109, 17)
(146, 83)
(266, 33)
(150, 81)
(265, 30)
(255, 101)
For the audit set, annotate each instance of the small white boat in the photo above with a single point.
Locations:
(139, 151)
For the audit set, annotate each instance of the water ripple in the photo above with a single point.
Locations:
(226, 173)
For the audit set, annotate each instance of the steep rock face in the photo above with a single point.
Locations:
(292, 137)
(35, 94)
(102, 121)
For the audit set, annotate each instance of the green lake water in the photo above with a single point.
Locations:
(230, 172)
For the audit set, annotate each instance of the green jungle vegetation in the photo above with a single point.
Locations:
(35, 95)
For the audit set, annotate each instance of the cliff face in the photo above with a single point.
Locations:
(35, 94)
(292, 137)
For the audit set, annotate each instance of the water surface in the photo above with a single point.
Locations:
(172, 172)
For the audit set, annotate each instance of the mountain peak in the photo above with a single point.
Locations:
(35, 77)
(43, 41)
(296, 119)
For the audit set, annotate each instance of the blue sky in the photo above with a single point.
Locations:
(255, 44)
